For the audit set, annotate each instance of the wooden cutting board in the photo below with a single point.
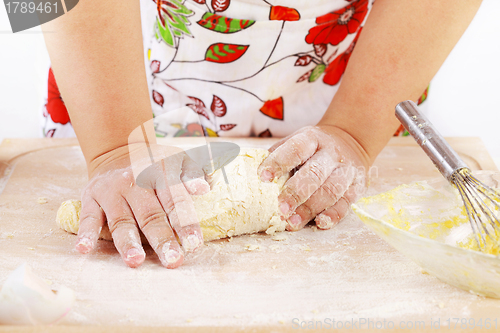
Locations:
(346, 274)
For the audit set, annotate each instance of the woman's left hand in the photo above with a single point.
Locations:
(331, 175)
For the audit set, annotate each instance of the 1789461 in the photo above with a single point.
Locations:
(25, 14)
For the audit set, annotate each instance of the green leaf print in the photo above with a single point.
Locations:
(316, 73)
(171, 21)
(165, 33)
(224, 53)
(223, 24)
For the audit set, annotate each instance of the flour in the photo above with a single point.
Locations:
(360, 275)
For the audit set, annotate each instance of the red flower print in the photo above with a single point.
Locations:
(334, 27)
(280, 13)
(273, 108)
(336, 68)
(55, 105)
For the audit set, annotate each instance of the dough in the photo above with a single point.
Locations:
(244, 206)
(68, 218)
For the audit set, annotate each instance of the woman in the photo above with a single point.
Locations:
(324, 74)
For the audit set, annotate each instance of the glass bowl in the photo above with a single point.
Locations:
(425, 222)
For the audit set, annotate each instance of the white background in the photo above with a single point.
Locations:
(462, 101)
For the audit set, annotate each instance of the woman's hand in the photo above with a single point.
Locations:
(331, 175)
(112, 196)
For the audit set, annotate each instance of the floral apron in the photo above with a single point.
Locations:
(238, 67)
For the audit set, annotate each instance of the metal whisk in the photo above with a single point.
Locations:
(479, 199)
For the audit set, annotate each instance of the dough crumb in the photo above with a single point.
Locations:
(441, 305)
(252, 247)
(399, 169)
(282, 322)
(189, 320)
(280, 238)
(314, 228)
(7, 235)
(42, 200)
(274, 267)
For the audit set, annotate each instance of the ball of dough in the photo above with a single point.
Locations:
(243, 205)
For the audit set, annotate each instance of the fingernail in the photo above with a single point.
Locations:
(266, 176)
(171, 256)
(191, 243)
(324, 221)
(134, 253)
(295, 220)
(84, 245)
(197, 186)
(284, 208)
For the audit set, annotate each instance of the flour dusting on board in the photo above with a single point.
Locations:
(344, 273)
(225, 284)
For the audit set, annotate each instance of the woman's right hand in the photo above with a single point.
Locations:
(160, 212)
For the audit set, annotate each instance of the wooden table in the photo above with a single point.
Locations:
(347, 274)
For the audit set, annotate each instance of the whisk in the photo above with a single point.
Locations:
(479, 199)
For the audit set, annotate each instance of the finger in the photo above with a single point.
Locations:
(326, 196)
(193, 177)
(281, 141)
(286, 157)
(190, 236)
(92, 220)
(124, 230)
(334, 214)
(152, 220)
(179, 206)
(306, 181)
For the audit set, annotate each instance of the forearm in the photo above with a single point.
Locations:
(402, 46)
(97, 57)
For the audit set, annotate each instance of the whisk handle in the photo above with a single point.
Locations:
(435, 146)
